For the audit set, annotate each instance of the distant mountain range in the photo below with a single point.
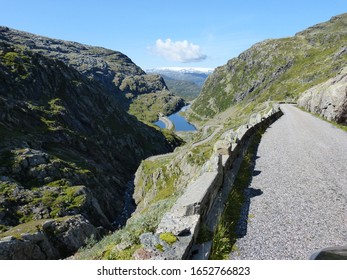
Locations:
(185, 82)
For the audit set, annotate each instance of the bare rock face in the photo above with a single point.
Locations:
(47, 239)
(328, 99)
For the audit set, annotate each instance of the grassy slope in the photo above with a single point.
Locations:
(277, 69)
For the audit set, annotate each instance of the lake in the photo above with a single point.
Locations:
(181, 124)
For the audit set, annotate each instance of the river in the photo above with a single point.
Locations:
(129, 206)
(181, 124)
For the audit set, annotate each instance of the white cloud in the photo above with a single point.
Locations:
(181, 51)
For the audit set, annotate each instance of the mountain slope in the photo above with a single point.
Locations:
(184, 82)
(113, 69)
(277, 69)
(185, 89)
(66, 146)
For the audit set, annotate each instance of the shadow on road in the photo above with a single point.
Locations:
(248, 194)
(241, 226)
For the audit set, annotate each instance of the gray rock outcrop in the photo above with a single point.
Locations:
(47, 239)
(328, 99)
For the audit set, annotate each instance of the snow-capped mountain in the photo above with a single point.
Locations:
(185, 82)
(197, 75)
(182, 70)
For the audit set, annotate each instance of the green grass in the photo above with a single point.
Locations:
(56, 107)
(147, 221)
(29, 227)
(6, 188)
(200, 154)
(164, 181)
(126, 254)
(61, 197)
(278, 69)
(225, 237)
(146, 107)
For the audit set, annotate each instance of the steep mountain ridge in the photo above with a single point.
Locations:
(184, 82)
(277, 69)
(113, 69)
(66, 146)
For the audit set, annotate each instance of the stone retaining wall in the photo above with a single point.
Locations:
(203, 200)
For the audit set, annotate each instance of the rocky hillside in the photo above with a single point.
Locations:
(185, 89)
(66, 148)
(328, 99)
(279, 69)
(184, 82)
(113, 69)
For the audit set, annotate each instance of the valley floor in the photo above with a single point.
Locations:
(297, 201)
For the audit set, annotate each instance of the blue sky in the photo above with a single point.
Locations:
(169, 33)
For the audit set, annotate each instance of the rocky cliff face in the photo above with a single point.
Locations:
(328, 99)
(277, 69)
(113, 69)
(47, 239)
(66, 146)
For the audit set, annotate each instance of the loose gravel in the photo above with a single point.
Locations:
(297, 200)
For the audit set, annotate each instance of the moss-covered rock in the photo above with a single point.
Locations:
(46, 239)
(168, 237)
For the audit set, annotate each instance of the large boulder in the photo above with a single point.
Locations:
(328, 99)
(47, 239)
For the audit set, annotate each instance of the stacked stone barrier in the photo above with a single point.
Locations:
(204, 199)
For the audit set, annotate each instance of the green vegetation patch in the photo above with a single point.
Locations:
(157, 174)
(147, 221)
(146, 107)
(18, 62)
(126, 254)
(278, 69)
(61, 198)
(168, 237)
(200, 154)
(186, 89)
(56, 106)
(29, 227)
(225, 237)
(6, 188)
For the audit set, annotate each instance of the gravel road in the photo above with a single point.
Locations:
(168, 123)
(207, 139)
(297, 200)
